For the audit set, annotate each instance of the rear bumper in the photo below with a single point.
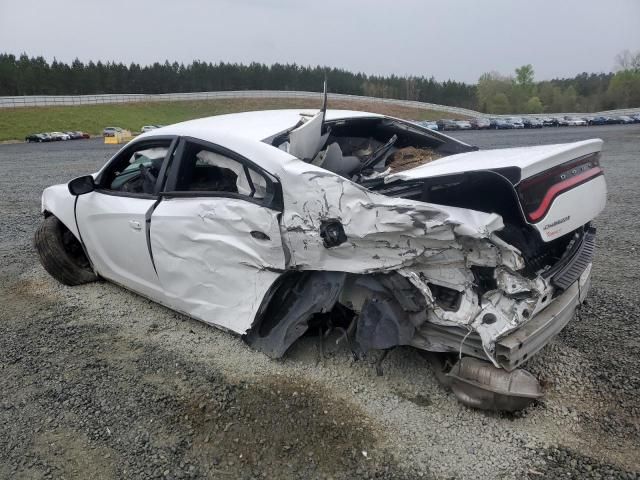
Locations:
(517, 347)
(520, 345)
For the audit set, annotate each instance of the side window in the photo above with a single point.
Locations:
(136, 170)
(204, 170)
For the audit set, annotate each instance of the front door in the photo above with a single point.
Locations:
(112, 218)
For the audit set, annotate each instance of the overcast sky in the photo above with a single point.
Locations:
(446, 39)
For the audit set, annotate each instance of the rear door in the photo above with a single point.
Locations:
(215, 235)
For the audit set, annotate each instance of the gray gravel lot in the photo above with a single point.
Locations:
(97, 382)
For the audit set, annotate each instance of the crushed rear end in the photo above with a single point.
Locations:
(547, 197)
(478, 257)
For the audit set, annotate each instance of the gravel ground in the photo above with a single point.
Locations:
(97, 382)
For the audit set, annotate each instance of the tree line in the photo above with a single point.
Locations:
(586, 92)
(24, 75)
(494, 93)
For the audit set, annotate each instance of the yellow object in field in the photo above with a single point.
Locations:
(120, 137)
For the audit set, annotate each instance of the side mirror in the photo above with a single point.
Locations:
(81, 185)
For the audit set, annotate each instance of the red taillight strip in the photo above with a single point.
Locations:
(558, 188)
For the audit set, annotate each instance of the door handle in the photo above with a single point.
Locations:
(135, 225)
(258, 235)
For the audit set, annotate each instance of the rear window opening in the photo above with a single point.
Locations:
(365, 149)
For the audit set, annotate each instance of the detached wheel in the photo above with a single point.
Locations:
(61, 253)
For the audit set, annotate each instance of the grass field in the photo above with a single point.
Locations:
(16, 123)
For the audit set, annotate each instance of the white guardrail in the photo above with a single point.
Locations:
(70, 100)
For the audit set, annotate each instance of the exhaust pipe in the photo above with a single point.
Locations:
(479, 384)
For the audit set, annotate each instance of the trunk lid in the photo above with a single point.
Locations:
(528, 160)
(559, 187)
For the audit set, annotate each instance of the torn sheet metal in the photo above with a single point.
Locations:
(390, 311)
(306, 140)
(383, 233)
(423, 242)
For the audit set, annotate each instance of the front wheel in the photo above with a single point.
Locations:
(61, 254)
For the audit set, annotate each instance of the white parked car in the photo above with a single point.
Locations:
(463, 124)
(56, 136)
(147, 128)
(268, 223)
(575, 122)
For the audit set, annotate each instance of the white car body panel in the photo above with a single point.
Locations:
(113, 231)
(209, 264)
(306, 140)
(530, 160)
(58, 201)
(384, 233)
(250, 126)
(573, 208)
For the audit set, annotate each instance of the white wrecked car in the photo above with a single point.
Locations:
(264, 223)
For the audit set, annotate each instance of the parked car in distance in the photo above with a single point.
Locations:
(624, 119)
(531, 122)
(463, 124)
(574, 121)
(74, 135)
(600, 120)
(148, 128)
(445, 124)
(37, 138)
(431, 125)
(500, 124)
(56, 136)
(516, 122)
(111, 131)
(636, 118)
(480, 123)
(549, 122)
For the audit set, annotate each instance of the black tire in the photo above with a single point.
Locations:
(61, 254)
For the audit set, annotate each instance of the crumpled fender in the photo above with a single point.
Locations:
(382, 233)
(422, 242)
